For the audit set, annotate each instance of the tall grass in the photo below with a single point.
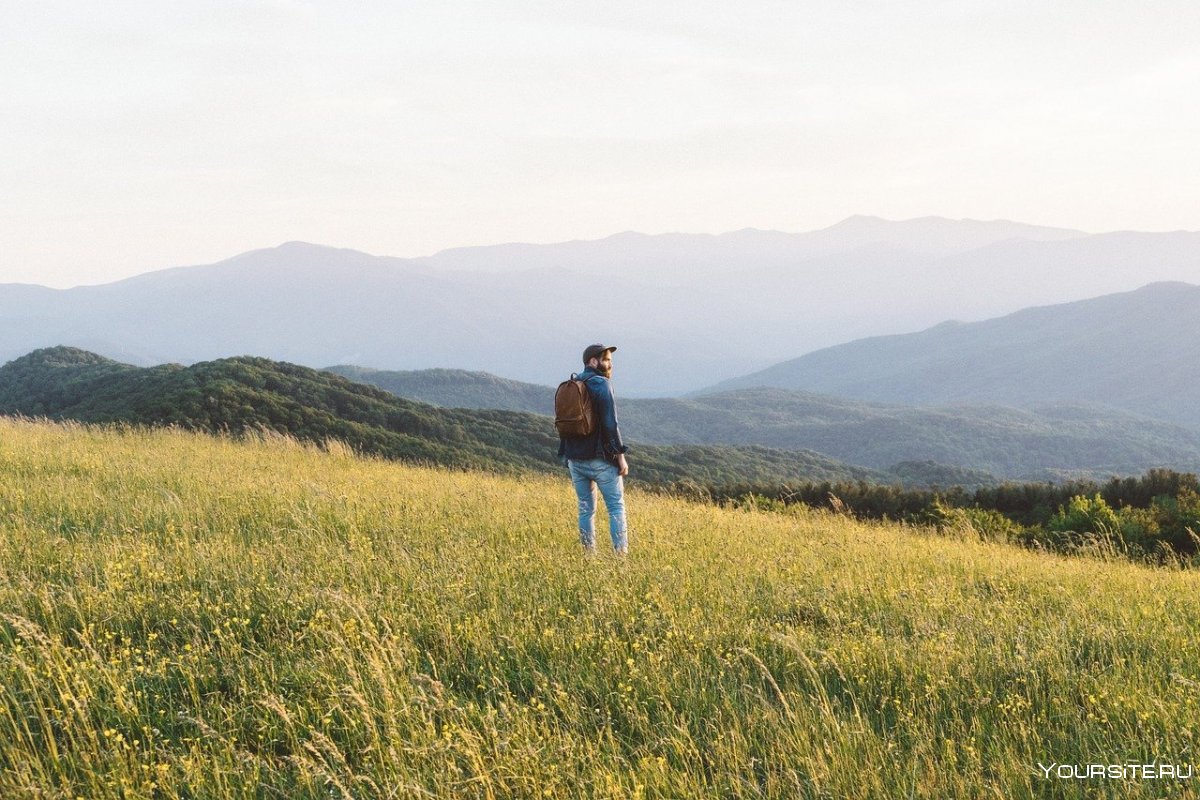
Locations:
(190, 617)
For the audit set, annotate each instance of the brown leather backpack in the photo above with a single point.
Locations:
(573, 415)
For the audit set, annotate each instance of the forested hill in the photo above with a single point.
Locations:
(241, 394)
(1052, 442)
(455, 388)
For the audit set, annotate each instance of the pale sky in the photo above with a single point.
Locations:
(141, 135)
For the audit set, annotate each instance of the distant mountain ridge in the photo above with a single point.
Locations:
(687, 310)
(934, 235)
(1046, 443)
(1136, 351)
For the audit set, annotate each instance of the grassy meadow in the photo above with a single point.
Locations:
(191, 617)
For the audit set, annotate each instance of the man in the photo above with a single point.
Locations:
(598, 460)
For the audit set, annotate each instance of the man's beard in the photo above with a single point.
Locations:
(603, 370)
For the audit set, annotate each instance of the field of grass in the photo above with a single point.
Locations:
(190, 617)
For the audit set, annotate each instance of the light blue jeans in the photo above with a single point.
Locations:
(587, 474)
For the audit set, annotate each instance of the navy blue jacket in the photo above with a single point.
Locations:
(604, 442)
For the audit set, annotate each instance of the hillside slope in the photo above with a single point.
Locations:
(247, 393)
(183, 616)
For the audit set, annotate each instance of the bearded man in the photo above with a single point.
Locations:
(597, 460)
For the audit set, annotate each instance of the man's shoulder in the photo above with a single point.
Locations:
(598, 386)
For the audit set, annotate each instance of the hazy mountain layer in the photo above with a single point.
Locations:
(1138, 351)
(1008, 442)
(686, 310)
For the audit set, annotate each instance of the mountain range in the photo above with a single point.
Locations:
(1135, 351)
(687, 311)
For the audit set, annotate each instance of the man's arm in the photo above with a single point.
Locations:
(610, 431)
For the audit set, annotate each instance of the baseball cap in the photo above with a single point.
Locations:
(596, 351)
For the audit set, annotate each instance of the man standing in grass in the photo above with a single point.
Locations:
(598, 458)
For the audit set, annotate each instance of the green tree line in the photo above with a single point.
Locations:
(1152, 517)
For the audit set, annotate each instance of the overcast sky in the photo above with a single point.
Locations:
(141, 135)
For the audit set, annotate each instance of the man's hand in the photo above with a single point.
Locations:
(622, 465)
